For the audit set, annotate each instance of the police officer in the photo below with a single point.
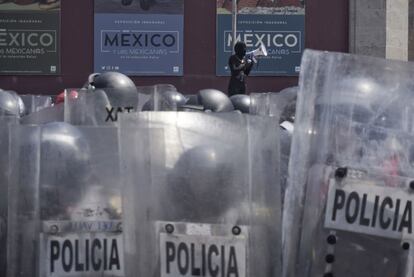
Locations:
(240, 67)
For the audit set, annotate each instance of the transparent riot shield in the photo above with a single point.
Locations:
(281, 107)
(5, 122)
(35, 103)
(281, 104)
(65, 202)
(201, 196)
(349, 200)
(150, 95)
(85, 107)
(45, 115)
(144, 95)
(168, 100)
(160, 97)
(95, 107)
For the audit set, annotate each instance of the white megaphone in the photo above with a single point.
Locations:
(259, 52)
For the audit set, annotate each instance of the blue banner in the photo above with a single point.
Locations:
(282, 33)
(137, 40)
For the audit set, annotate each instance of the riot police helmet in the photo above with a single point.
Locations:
(11, 104)
(119, 88)
(241, 102)
(167, 101)
(214, 100)
(202, 175)
(62, 153)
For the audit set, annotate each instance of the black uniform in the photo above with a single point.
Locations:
(240, 67)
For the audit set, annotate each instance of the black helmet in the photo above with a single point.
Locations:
(11, 103)
(241, 102)
(214, 100)
(59, 154)
(202, 175)
(168, 101)
(119, 88)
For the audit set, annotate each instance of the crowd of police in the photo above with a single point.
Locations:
(114, 179)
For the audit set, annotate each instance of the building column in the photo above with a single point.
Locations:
(411, 30)
(397, 29)
(367, 27)
(382, 28)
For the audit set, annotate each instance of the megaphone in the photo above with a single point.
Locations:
(259, 52)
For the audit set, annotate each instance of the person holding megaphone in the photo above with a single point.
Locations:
(240, 68)
(240, 65)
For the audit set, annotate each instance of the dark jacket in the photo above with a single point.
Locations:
(239, 68)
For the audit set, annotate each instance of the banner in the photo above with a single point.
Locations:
(278, 25)
(29, 37)
(139, 37)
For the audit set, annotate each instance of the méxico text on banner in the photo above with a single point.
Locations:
(138, 38)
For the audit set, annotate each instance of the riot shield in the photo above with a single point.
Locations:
(65, 202)
(5, 122)
(45, 115)
(89, 107)
(201, 195)
(95, 107)
(348, 204)
(35, 103)
(168, 100)
(281, 104)
(281, 107)
(149, 95)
